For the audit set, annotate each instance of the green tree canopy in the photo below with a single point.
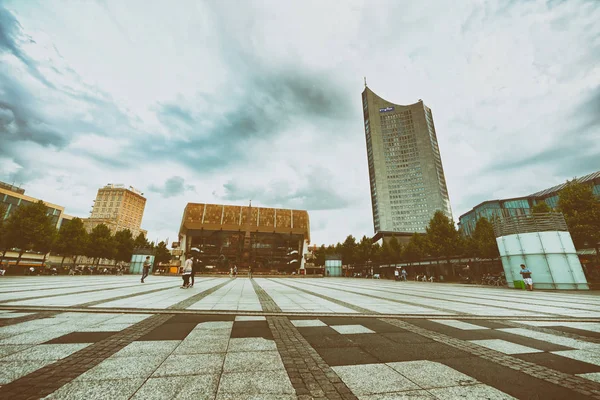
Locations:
(364, 250)
(29, 227)
(141, 242)
(485, 240)
(582, 213)
(161, 253)
(541, 208)
(442, 239)
(320, 256)
(395, 250)
(71, 240)
(3, 243)
(348, 250)
(415, 249)
(101, 243)
(123, 245)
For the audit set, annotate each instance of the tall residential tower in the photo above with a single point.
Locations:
(405, 166)
(118, 208)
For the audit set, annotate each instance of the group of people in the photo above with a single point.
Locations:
(400, 275)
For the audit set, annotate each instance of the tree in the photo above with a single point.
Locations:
(364, 250)
(415, 249)
(124, 244)
(101, 243)
(541, 208)
(71, 240)
(30, 228)
(348, 250)
(141, 242)
(3, 244)
(442, 237)
(161, 253)
(395, 250)
(582, 213)
(319, 255)
(385, 254)
(485, 239)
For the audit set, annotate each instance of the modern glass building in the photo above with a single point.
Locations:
(521, 205)
(405, 166)
(13, 197)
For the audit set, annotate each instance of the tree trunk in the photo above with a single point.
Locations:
(19, 258)
(3, 255)
(62, 261)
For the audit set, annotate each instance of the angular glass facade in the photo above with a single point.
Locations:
(405, 166)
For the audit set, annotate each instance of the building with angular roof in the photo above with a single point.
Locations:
(521, 205)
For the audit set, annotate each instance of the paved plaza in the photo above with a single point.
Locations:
(111, 337)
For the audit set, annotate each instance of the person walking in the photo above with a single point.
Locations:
(526, 272)
(234, 271)
(249, 272)
(187, 272)
(146, 269)
(404, 275)
(231, 272)
(195, 266)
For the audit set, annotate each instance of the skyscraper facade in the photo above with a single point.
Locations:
(405, 167)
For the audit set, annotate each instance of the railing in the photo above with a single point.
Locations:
(543, 222)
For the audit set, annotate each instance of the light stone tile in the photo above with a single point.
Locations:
(121, 389)
(122, 368)
(47, 352)
(252, 361)
(560, 340)
(214, 325)
(465, 326)
(589, 357)
(505, 347)
(129, 318)
(409, 395)
(199, 387)
(250, 318)
(202, 346)
(373, 379)
(12, 348)
(256, 383)
(251, 344)
(145, 348)
(161, 388)
(430, 374)
(471, 392)
(594, 376)
(351, 329)
(14, 315)
(104, 328)
(37, 336)
(307, 322)
(204, 334)
(190, 364)
(12, 370)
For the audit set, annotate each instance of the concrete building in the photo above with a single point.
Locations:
(118, 208)
(521, 205)
(264, 238)
(405, 167)
(13, 197)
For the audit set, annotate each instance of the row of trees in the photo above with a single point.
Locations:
(30, 228)
(443, 241)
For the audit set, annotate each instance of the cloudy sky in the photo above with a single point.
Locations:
(226, 101)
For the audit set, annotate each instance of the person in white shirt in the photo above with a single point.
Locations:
(187, 272)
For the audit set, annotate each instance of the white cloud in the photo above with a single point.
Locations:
(263, 97)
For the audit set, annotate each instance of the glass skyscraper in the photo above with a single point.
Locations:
(405, 167)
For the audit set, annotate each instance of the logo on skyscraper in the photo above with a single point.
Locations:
(386, 109)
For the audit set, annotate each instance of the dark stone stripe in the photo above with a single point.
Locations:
(46, 380)
(189, 301)
(309, 374)
(26, 318)
(72, 293)
(266, 302)
(409, 303)
(551, 331)
(571, 382)
(125, 296)
(333, 300)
